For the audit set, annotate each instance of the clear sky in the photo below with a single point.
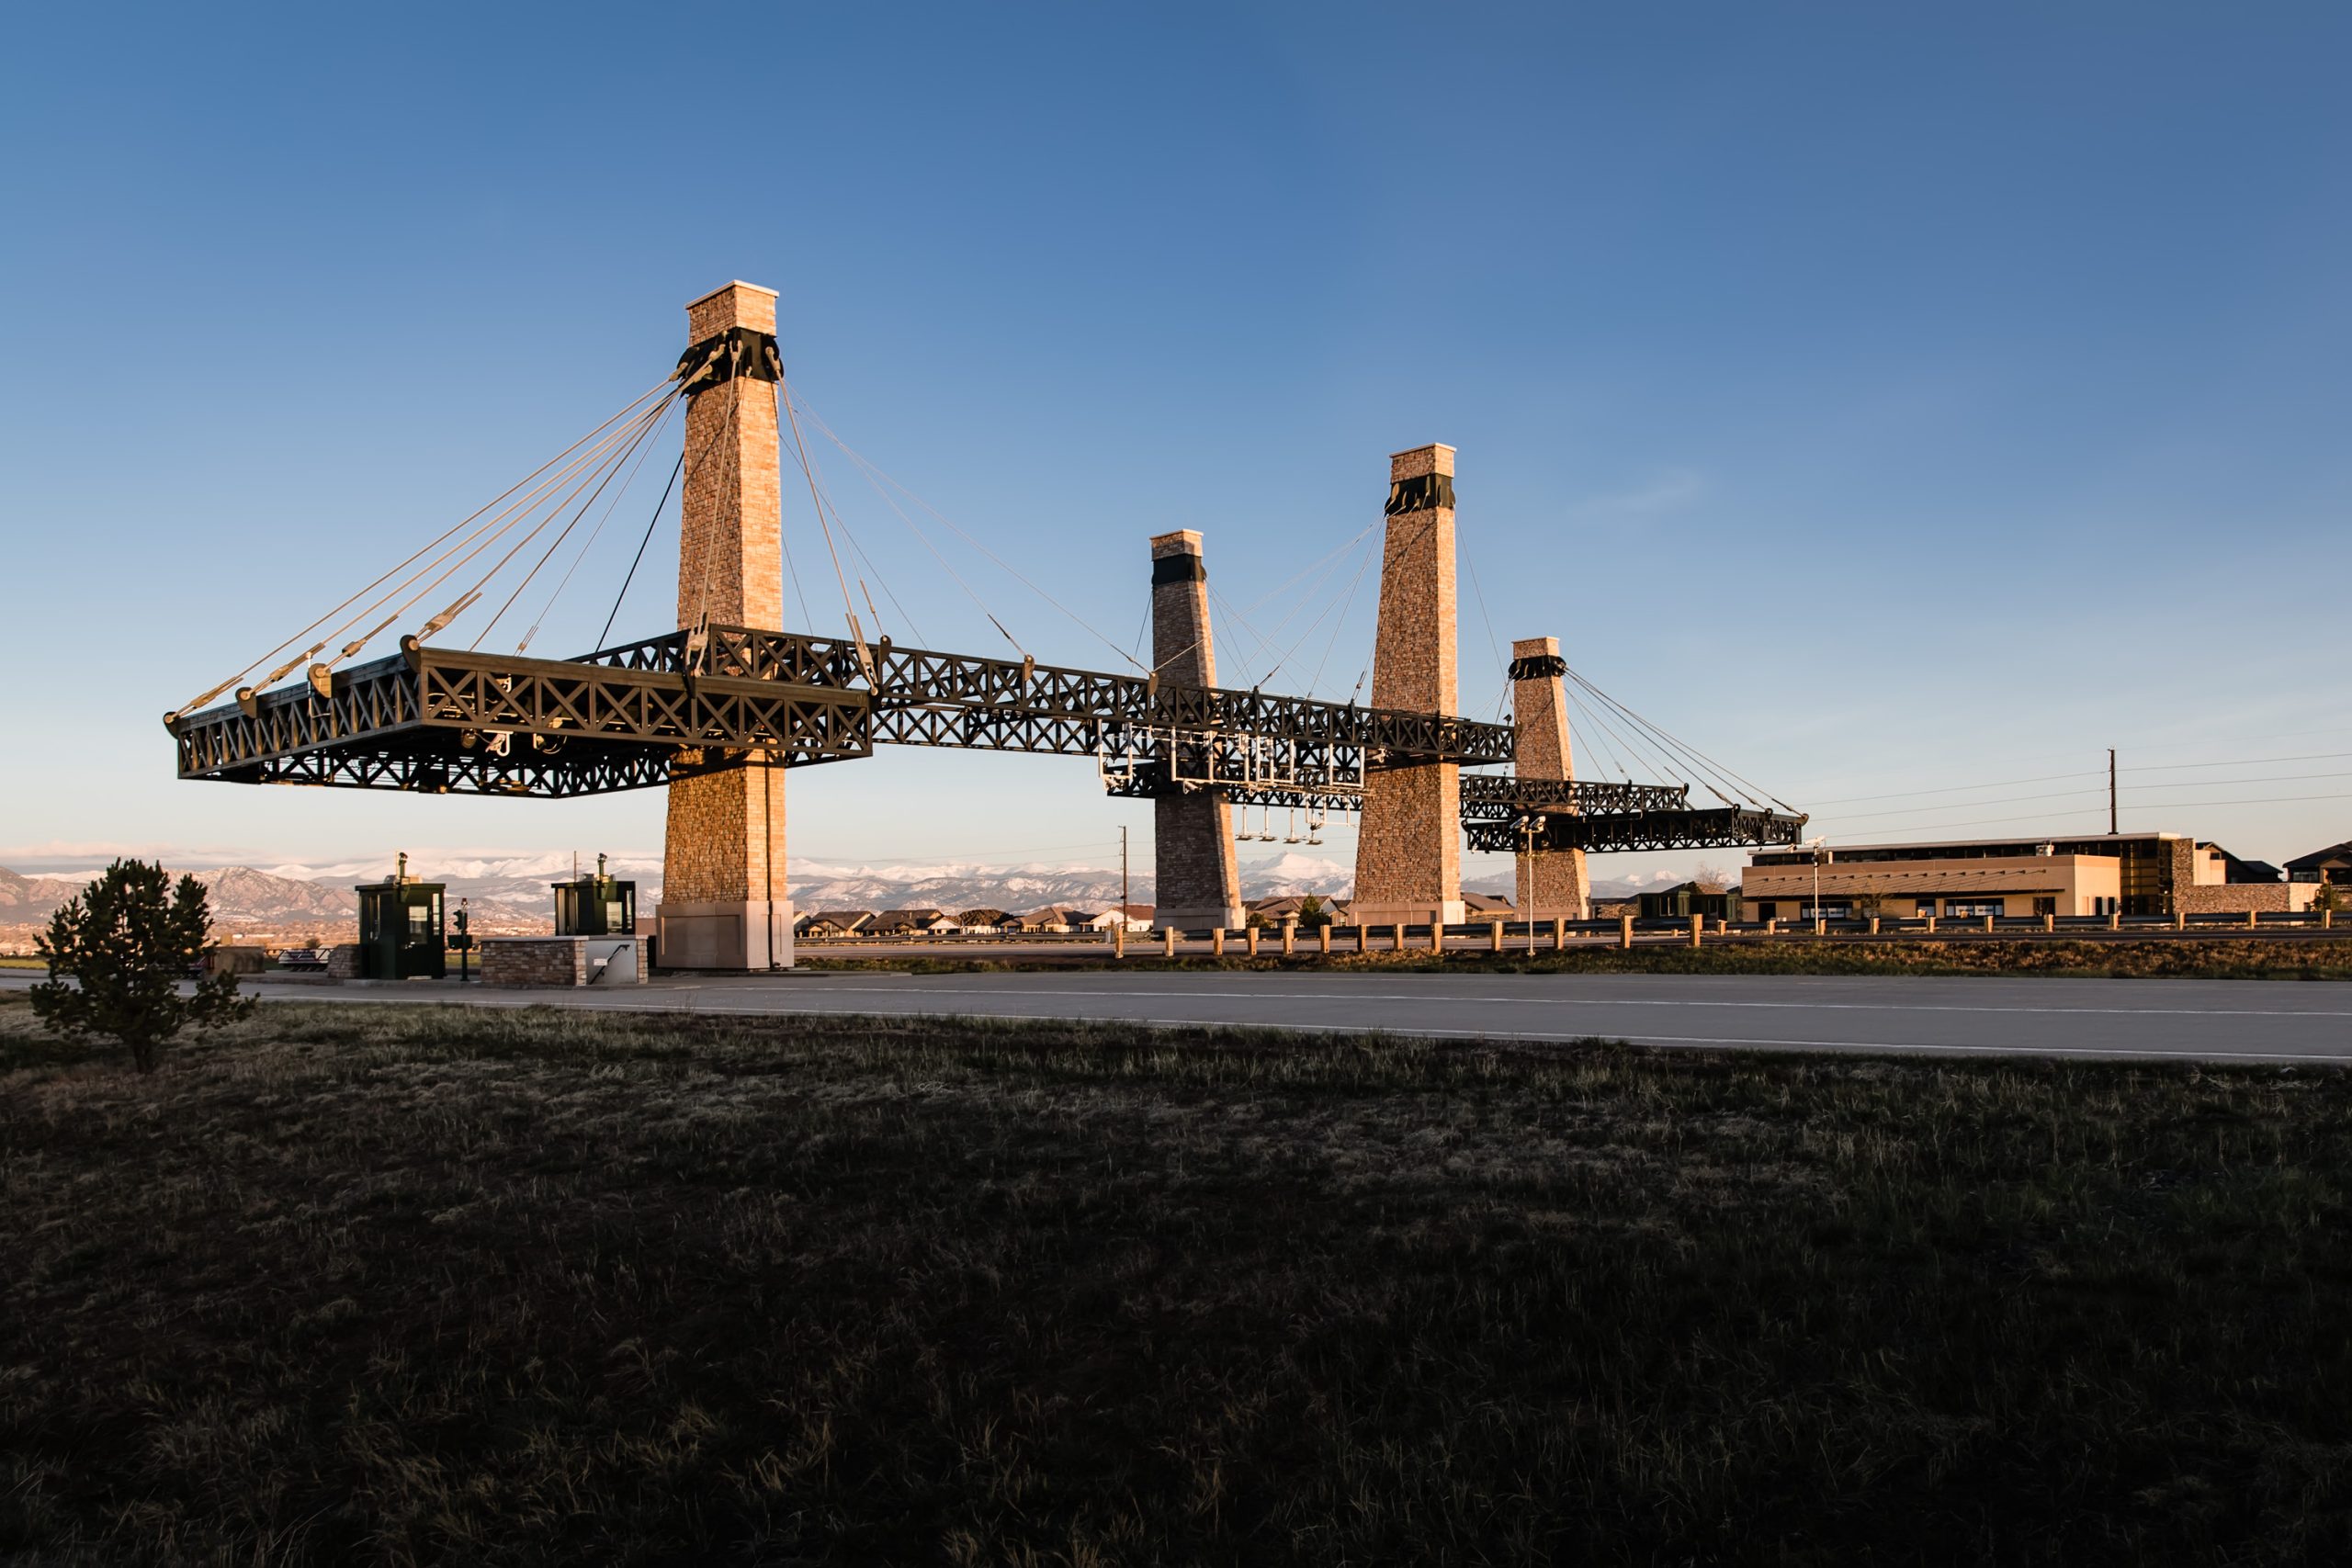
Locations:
(1885, 398)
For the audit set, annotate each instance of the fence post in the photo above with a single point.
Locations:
(1216, 942)
(1397, 937)
(1119, 938)
(1873, 925)
(1988, 925)
(2180, 919)
(1290, 938)
(1931, 925)
(1168, 934)
(1493, 936)
(1624, 931)
(1698, 924)
(2115, 919)
(1323, 935)
(1560, 934)
(1250, 937)
(1772, 925)
(2049, 922)
(2250, 915)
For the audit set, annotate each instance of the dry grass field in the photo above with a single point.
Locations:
(429, 1285)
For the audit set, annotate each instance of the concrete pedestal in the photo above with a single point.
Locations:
(726, 936)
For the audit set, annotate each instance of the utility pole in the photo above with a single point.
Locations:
(2111, 828)
(1122, 874)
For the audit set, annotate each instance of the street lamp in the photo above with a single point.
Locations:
(1527, 838)
(1820, 853)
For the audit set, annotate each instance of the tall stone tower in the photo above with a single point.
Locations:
(1199, 883)
(724, 900)
(1408, 852)
(1552, 885)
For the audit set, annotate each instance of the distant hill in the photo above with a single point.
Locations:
(513, 891)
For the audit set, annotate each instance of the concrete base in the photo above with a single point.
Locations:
(1206, 917)
(737, 937)
(612, 961)
(1448, 911)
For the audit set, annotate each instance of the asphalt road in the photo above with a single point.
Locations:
(2219, 1021)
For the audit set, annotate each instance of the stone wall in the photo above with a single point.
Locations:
(1197, 877)
(724, 841)
(1552, 885)
(1408, 847)
(2236, 897)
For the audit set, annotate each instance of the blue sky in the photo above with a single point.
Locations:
(1884, 402)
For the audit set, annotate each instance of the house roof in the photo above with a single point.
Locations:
(912, 914)
(1486, 903)
(2319, 857)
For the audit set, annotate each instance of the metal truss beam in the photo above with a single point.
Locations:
(397, 723)
(924, 698)
(1724, 828)
(642, 714)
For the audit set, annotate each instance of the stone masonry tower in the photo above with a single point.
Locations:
(1192, 859)
(724, 900)
(1552, 884)
(1408, 852)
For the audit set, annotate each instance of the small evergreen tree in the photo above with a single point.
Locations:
(1312, 915)
(127, 941)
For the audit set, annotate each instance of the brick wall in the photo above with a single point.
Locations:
(526, 961)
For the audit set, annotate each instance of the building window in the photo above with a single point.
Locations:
(1768, 910)
(1824, 912)
(1923, 905)
(1967, 907)
(2045, 905)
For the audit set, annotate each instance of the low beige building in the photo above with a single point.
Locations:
(2130, 873)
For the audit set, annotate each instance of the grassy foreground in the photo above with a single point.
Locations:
(396, 1285)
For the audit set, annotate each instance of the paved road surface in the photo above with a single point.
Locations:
(2206, 1019)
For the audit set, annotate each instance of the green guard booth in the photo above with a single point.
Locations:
(402, 931)
(595, 906)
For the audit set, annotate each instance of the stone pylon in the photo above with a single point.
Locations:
(1199, 883)
(1552, 885)
(725, 904)
(1408, 852)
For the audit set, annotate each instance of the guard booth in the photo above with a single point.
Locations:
(595, 906)
(402, 934)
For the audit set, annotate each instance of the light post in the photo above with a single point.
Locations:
(1527, 839)
(1820, 853)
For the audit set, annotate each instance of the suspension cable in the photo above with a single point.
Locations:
(625, 411)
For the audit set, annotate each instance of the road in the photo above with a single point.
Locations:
(2214, 1021)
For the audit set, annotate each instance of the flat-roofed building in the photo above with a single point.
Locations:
(2130, 873)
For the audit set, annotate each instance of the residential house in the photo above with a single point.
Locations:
(832, 922)
(910, 923)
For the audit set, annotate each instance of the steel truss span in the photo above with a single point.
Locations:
(642, 713)
(1726, 828)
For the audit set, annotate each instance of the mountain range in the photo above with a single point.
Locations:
(513, 890)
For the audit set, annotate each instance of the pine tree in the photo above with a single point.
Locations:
(125, 943)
